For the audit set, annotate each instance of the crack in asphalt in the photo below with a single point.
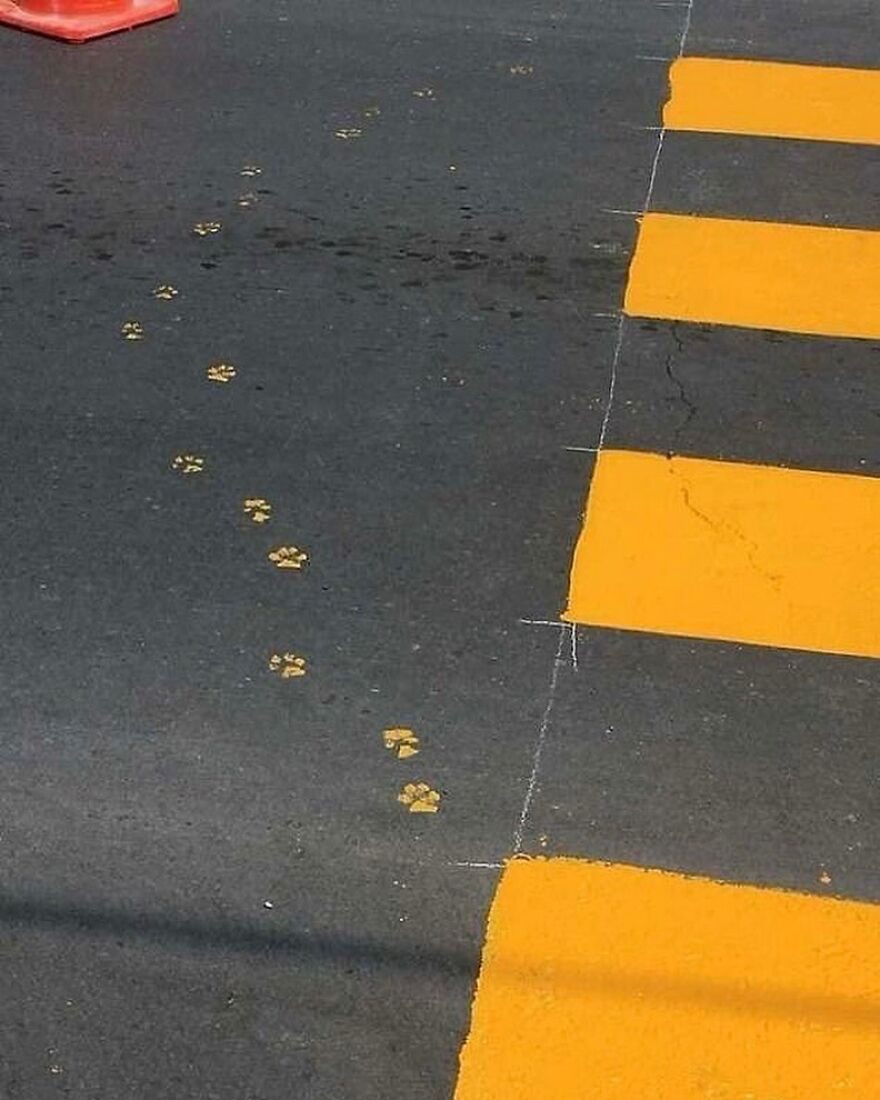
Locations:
(752, 549)
(677, 382)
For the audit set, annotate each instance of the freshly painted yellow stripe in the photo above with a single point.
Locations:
(603, 982)
(731, 551)
(773, 99)
(796, 278)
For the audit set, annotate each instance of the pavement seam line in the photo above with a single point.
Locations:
(540, 741)
(543, 729)
(649, 195)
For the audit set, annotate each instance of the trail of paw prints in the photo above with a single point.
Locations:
(354, 131)
(355, 128)
(418, 797)
(249, 198)
(286, 664)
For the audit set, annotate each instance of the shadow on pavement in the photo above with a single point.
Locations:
(158, 928)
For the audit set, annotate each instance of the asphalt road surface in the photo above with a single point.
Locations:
(210, 890)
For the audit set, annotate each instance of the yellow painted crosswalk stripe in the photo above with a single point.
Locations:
(731, 551)
(604, 982)
(774, 99)
(795, 278)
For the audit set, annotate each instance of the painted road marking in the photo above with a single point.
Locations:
(773, 99)
(606, 982)
(731, 551)
(796, 278)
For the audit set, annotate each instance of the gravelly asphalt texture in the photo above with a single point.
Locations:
(412, 314)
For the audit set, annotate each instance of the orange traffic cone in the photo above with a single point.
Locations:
(78, 20)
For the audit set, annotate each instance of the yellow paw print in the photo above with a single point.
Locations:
(220, 372)
(371, 112)
(401, 741)
(288, 557)
(257, 509)
(132, 330)
(287, 665)
(419, 798)
(205, 229)
(348, 133)
(247, 200)
(251, 170)
(165, 292)
(188, 463)
(424, 93)
(521, 70)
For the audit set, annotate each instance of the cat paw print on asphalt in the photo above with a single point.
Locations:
(206, 229)
(288, 557)
(165, 292)
(188, 463)
(401, 741)
(257, 509)
(220, 372)
(419, 798)
(287, 665)
(132, 330)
